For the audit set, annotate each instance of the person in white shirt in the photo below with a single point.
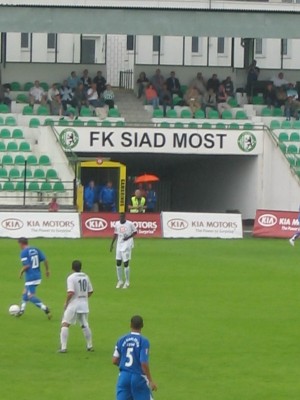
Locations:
(279, 81)
(54, 100)
(124, 232)
(92, 96)
(37, 94)
(79, 289)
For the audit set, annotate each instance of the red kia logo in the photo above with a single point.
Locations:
(267, 220)
(96, 224)
(12, 224)
(177, 224)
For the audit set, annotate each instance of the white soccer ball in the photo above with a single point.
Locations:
(14, 309)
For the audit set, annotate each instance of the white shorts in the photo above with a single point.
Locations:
(123, 255)
(71, 316)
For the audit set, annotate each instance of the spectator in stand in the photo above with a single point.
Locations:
(108, 96)
(292, 105)
(213, 83)
(166, 99)
(157, 81)
(151, 198)
(90, 197)
(80, 97)
(54, 100)
(199, 84)
(222, 100)
(228, 85)
(93, 98)
(138, 203)
(86, 80)
(37, 94)
(73, 81)
(193, 99)
(270, 96)
(252, 77)
(151, 96)
(279, 81)
(173, 85)
(4, 95)
(107, 198)
(210, 101)
(142, 82)
(100, 82)
(66, 95)
(53, 205)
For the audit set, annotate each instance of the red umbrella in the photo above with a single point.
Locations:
(146, 178)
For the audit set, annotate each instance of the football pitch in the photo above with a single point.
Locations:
(222, 317)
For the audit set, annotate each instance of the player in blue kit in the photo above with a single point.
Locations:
(131, 355)
(31, 259)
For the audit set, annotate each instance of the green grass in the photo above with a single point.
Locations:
(222, 317)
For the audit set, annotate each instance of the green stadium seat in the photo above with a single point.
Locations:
(15, 87)
(234, 125)
(49, 122)
(20, 186)
(24, 146)
(27, 110)
(7, 160)
(39, 174)
(46, 187)
(292, 149)
(277, 112)
(296, 124)
(106, 123)
(183, 89)
(19, 159)
(14, 173)
(294, 137)
(113, 113)
(1, 121)
(157, 113)
(3, 173)
(44, 160)
(206, 125)
(85, 112)
(45, 86)
(34, 187)
(8, 186)
(28, 86)
(193, 125)
(283, 147)
(275, 124)
(43, 110)
(4, 109)
(213, 114)
(241, 115)
(248, 126)
(29, 174)
(177, 100)
(291, 159)
(171, 114)
(199, 114)
(63, 122)
(34, 123)
(283, 137)
(2, 146)
(92, 122)
(227, 114)
(266, 112)
(58, 187)
(10, 121)
(17, 134)
(51, 174)
(78, 122)
(258, 100)
(32, 160)
(220, 125)
(186, 114)
(286, 125)
(232, 102)
(164, 125)
(12, 146)
(21, 98)
(5, 133)
(178, 125)
(120, 123)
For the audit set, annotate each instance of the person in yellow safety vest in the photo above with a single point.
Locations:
(138, 203)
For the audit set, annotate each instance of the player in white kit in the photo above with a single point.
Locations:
(124, 232)
(79, 289)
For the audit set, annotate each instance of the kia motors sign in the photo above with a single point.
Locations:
(103, 224)
(196, 225)
(279, 224)
(40, 224)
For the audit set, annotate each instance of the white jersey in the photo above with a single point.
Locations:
(80, 284)
(123, 231)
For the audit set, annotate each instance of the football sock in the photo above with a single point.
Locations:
(37, 302)
(296, 235)
(23, 306)
(119, 273)
(88, 336)
(64, 333)
(127, 273)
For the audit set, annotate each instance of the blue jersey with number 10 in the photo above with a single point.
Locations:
(132, 349)
(32, 257)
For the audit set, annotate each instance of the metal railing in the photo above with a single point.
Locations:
(126, 79)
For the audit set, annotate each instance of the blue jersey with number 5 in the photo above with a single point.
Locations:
(32, 257)
(132, 349)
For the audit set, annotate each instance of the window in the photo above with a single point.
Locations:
(284, 47)
(221, 45)
(88, 51)
(24, 40)
(258, 46)
(195, 44)
(51, 41)
(156, 43)
(130, 43)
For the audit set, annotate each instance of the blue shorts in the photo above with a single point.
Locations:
(132, 387)
(30, 289)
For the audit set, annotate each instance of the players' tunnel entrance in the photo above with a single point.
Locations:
(102, 171)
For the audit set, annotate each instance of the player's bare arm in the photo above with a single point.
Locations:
(23, 269)
(130, 236)
(68, 299)
(116, 361)
(146, 370)
(113, 241)
(90, 293)
(47, 268)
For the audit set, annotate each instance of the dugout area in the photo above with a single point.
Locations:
(192, 183)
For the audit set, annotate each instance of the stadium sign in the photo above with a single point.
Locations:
(32, 225)
(279, 224)
(155, 140)
(201, 225)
